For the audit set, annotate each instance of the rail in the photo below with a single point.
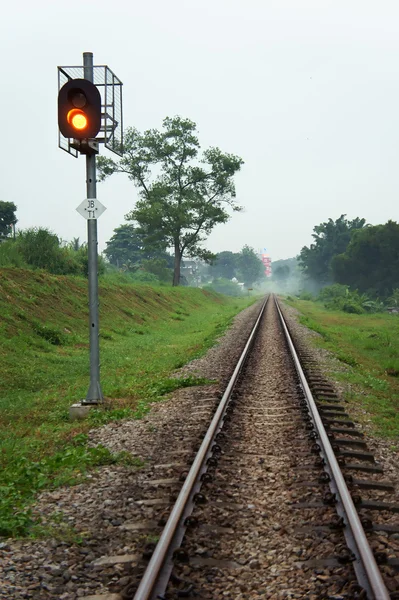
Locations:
(366, 568)
(155, 579)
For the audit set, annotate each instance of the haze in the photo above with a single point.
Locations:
(306, 92)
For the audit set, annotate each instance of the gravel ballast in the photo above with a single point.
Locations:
(110, 506)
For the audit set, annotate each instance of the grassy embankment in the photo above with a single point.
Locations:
(146, 333)
(368, 346)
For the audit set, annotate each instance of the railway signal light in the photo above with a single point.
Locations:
(79, 109)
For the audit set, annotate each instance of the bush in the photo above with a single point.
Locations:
(224, 286)
(41, 249)
(10, 256)
(144, 277)
(50, 334)
(351, 306)
(331, 292)
(339, 297)
(306, 296)
(81, 256)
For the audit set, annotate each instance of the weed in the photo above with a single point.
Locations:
(22, 479)
(51, 335)
(347, 359)
(375, 384)
(100, 416)
(168, 385)
(55, 527)
(104, 335)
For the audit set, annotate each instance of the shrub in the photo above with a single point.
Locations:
(10, 256)
(224, 286)
(351, 306)
(50, 334)
(330, 292)
(41, 249)
(306, 296)
(144, 277)
(393, 300)
(339, 297)
(81, 256)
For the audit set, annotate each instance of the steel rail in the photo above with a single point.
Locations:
(375, 586)
(151, 575)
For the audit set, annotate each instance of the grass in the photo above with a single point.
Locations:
(146, 334)
(368, 346)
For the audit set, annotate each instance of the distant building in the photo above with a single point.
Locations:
(188, 267)
(267, 262)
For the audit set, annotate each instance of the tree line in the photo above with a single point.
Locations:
(128, 251)
(356, 254)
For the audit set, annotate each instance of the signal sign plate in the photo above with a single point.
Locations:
(91, 208)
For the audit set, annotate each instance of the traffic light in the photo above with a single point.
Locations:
(79, 109)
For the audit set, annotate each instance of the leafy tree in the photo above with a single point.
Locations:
(75, 244)
(181, 197)
(224, 265)
(125, 245)
(331, 238)
(251, 268)
(281, 273)
(371, 260)
(128, 251)
(159, 267)
(8, 219)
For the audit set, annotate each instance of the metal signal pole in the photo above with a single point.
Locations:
(94, 394)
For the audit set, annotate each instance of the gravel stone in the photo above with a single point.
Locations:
(257, 533)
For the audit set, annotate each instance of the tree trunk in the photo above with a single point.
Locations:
(176, 272)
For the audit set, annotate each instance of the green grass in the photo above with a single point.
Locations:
(146, 334)
(368, 346)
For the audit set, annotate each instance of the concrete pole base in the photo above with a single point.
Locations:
(80, 411)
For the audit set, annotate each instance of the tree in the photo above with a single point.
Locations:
(8, 219)
(370, 263)
(181, 197)
(75, 244)
(224, 265)
(251, 268)
(126, 245)
(331, 238)
(281, 274)
(127, 250)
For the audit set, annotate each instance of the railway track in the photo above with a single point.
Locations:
(269, 505)
(265, 521)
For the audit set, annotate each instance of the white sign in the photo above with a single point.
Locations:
(91, 208)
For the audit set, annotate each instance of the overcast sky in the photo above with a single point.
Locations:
(305, 91)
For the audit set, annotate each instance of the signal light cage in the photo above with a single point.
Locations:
(110, 88)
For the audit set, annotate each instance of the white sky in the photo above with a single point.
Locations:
(305, 91)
